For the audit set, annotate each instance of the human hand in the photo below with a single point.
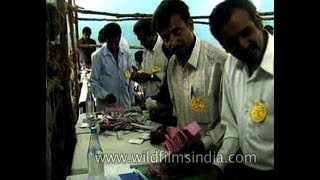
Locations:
(140, 77)
(150, 103)
(110, 98)
(157, 137)
(162, 129)
(154, 77)
(193, 145)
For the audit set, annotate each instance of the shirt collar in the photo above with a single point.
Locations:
(194, 58)
(106, 50)
(268, 57)
(158, 43)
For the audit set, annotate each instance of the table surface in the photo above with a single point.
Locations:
(79, 130)
(144, 153)
(84, 89)
(132, 154)
(143, 170)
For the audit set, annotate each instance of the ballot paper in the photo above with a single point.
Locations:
(144, 136)
(136, 141)
(84, 125)
(115, 169)
(142, 126)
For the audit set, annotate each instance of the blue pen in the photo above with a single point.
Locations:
(191, 92)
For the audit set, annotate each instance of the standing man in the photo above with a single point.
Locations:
(138, 59)
(86, 52)
(154, 63)
(248, 90)
(194, 71)
(111, 69)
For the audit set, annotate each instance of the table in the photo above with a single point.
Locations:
(83, 92)
(132, 154)
(84, 89)
(84, 130)
(77, 177)
(143, 170)
(79, 130)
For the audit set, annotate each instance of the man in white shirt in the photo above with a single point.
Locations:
(111, 69)
(248, 91)
(154, 63)
(194, 72)
(124, 43)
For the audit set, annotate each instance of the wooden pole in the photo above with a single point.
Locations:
(76, 56)
(149, 15)
(114, 14)
(267, 18)
(76, 24)
(100, 45)
(77, 66)
(104, 19)
(70, 21)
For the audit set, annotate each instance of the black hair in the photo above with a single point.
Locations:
(111, 30)
(86, 30)
(166, 9)
(269, 28)
(138, 56)
(222, 13)
(101, 38)
(145, 26)
(166, 51)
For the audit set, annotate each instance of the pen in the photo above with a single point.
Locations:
(191, 92)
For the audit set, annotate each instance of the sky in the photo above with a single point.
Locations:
(196, 8)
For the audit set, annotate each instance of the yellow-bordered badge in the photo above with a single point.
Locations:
(127, 74)
(258, 112)
(197, 104)
(155, 69)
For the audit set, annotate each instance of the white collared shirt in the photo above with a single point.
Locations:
(151, 58)
(203, 72)
(240, 93)
(108, 76)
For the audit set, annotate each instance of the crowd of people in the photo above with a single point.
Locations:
(228, 90)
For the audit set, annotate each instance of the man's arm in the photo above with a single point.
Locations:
(230, 143)
(131, 83)
(98, 91)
